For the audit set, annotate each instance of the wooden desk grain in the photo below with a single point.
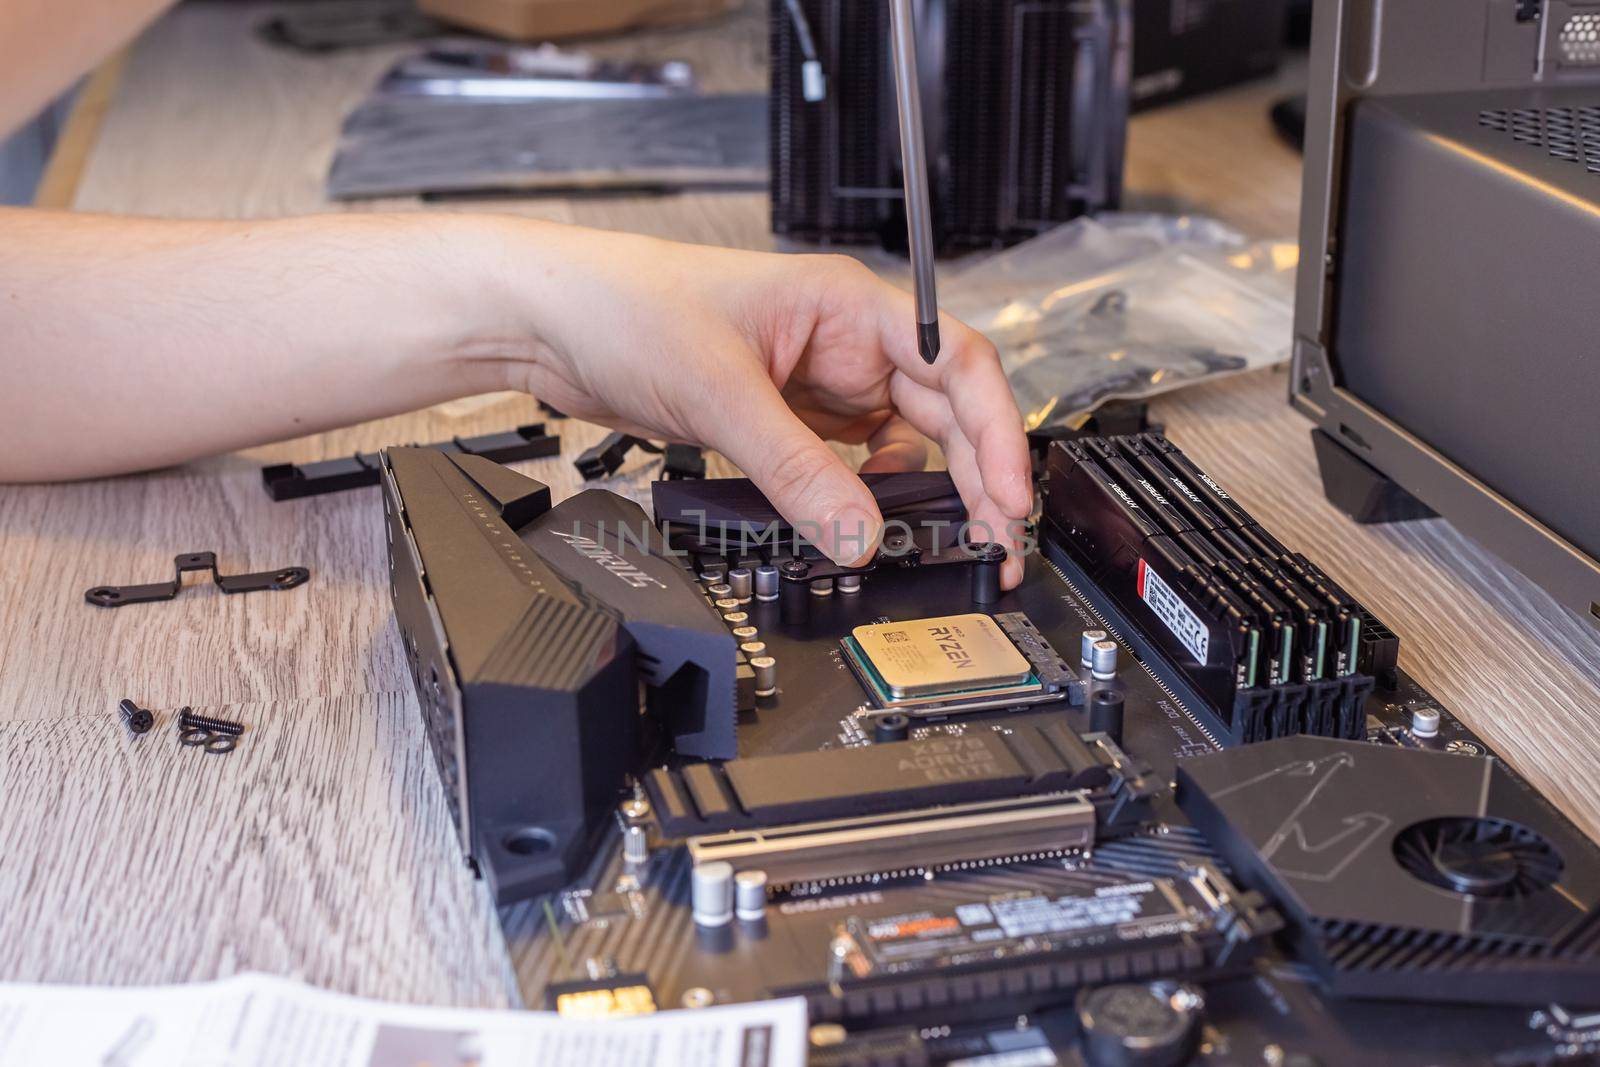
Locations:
(321, 848)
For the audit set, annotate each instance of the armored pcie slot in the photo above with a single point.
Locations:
(925, 839)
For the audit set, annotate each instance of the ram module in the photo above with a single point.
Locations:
(1209, 506)
(1289, 621)
(1344, 612)
(1181, 559)
(1201, 622)
(1216, 497)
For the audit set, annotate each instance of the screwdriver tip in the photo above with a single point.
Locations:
(928, 340)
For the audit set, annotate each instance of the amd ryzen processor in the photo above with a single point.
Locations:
(946, 655)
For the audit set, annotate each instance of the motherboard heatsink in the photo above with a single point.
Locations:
(1422, 875)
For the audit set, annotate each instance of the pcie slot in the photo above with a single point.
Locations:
(923, 839)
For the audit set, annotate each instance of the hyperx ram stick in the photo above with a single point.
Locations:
(1193, 570)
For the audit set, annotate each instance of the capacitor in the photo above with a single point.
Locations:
(635, 845)
(826, 1035)
(892, 727)
(746, 632)
(1103, 660)
(822, 587)
(750, 896)
(1153, 1025)
(1086, 647)
(719, 590)
(742, 582)
(1105, 713)
(751, 649)
(987, 558)
(1425, 722)
(766, 583)
(713, 572)
(848, 583)
(726, 603)
(766, 669)
(736, 619)
(711, 893)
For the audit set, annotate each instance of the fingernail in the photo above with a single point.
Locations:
(849, 536)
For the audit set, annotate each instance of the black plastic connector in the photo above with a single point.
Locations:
(1379, 652)
(684, 462)
(605, 458)
(291, 481)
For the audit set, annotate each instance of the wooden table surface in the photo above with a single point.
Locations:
(321, 848)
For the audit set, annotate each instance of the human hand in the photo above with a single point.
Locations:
(760, 357)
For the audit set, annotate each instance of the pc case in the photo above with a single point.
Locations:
(1025, 104)
(1445, 334)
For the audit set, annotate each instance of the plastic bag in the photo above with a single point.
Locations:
(1127, 306)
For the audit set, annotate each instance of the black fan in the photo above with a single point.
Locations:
(1478, 857)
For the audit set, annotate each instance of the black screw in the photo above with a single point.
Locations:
(188, 720)
(987, 551)
(135, 718)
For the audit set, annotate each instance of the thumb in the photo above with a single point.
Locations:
(810, 486)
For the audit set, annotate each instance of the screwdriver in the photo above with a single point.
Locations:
(914, 165)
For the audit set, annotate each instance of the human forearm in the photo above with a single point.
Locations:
(46, 45)
(127, 344)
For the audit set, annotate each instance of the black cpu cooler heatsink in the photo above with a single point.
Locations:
(1025, 105)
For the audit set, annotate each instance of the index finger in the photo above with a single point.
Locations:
(969, 375)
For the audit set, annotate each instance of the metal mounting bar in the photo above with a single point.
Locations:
(115, 596)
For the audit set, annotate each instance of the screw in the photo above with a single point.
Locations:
(135, 718)
(188, 720)
(988, 552)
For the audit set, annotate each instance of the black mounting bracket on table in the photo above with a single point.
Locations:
(115, 596)
(603, 459)
(290, 481)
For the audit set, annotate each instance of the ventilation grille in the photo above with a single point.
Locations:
(1580, 40)
(1569, 133)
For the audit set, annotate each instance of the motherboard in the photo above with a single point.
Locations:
(1170, 800)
